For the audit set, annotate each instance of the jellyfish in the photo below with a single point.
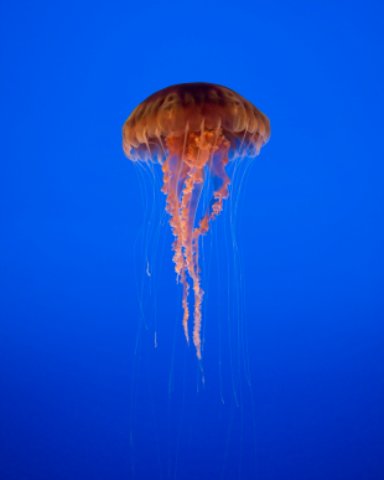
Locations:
(192, 131)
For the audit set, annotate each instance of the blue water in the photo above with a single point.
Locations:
(93, 388)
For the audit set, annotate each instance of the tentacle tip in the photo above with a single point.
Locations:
(186, 335)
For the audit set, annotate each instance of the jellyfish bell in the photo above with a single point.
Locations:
(193, 107)
(193, 130)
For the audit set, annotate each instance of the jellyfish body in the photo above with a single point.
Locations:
(193, 130)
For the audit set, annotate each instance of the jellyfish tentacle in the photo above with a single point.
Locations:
(216, 166)
(185, 198)
(188, 157)
(196, 154)
(183, 274)
(207, 148)
(180, 243)
(172, 177)
(189, 204)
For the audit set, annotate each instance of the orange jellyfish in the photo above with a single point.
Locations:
(193, 130)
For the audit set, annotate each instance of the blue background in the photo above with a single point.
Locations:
(78, 399)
